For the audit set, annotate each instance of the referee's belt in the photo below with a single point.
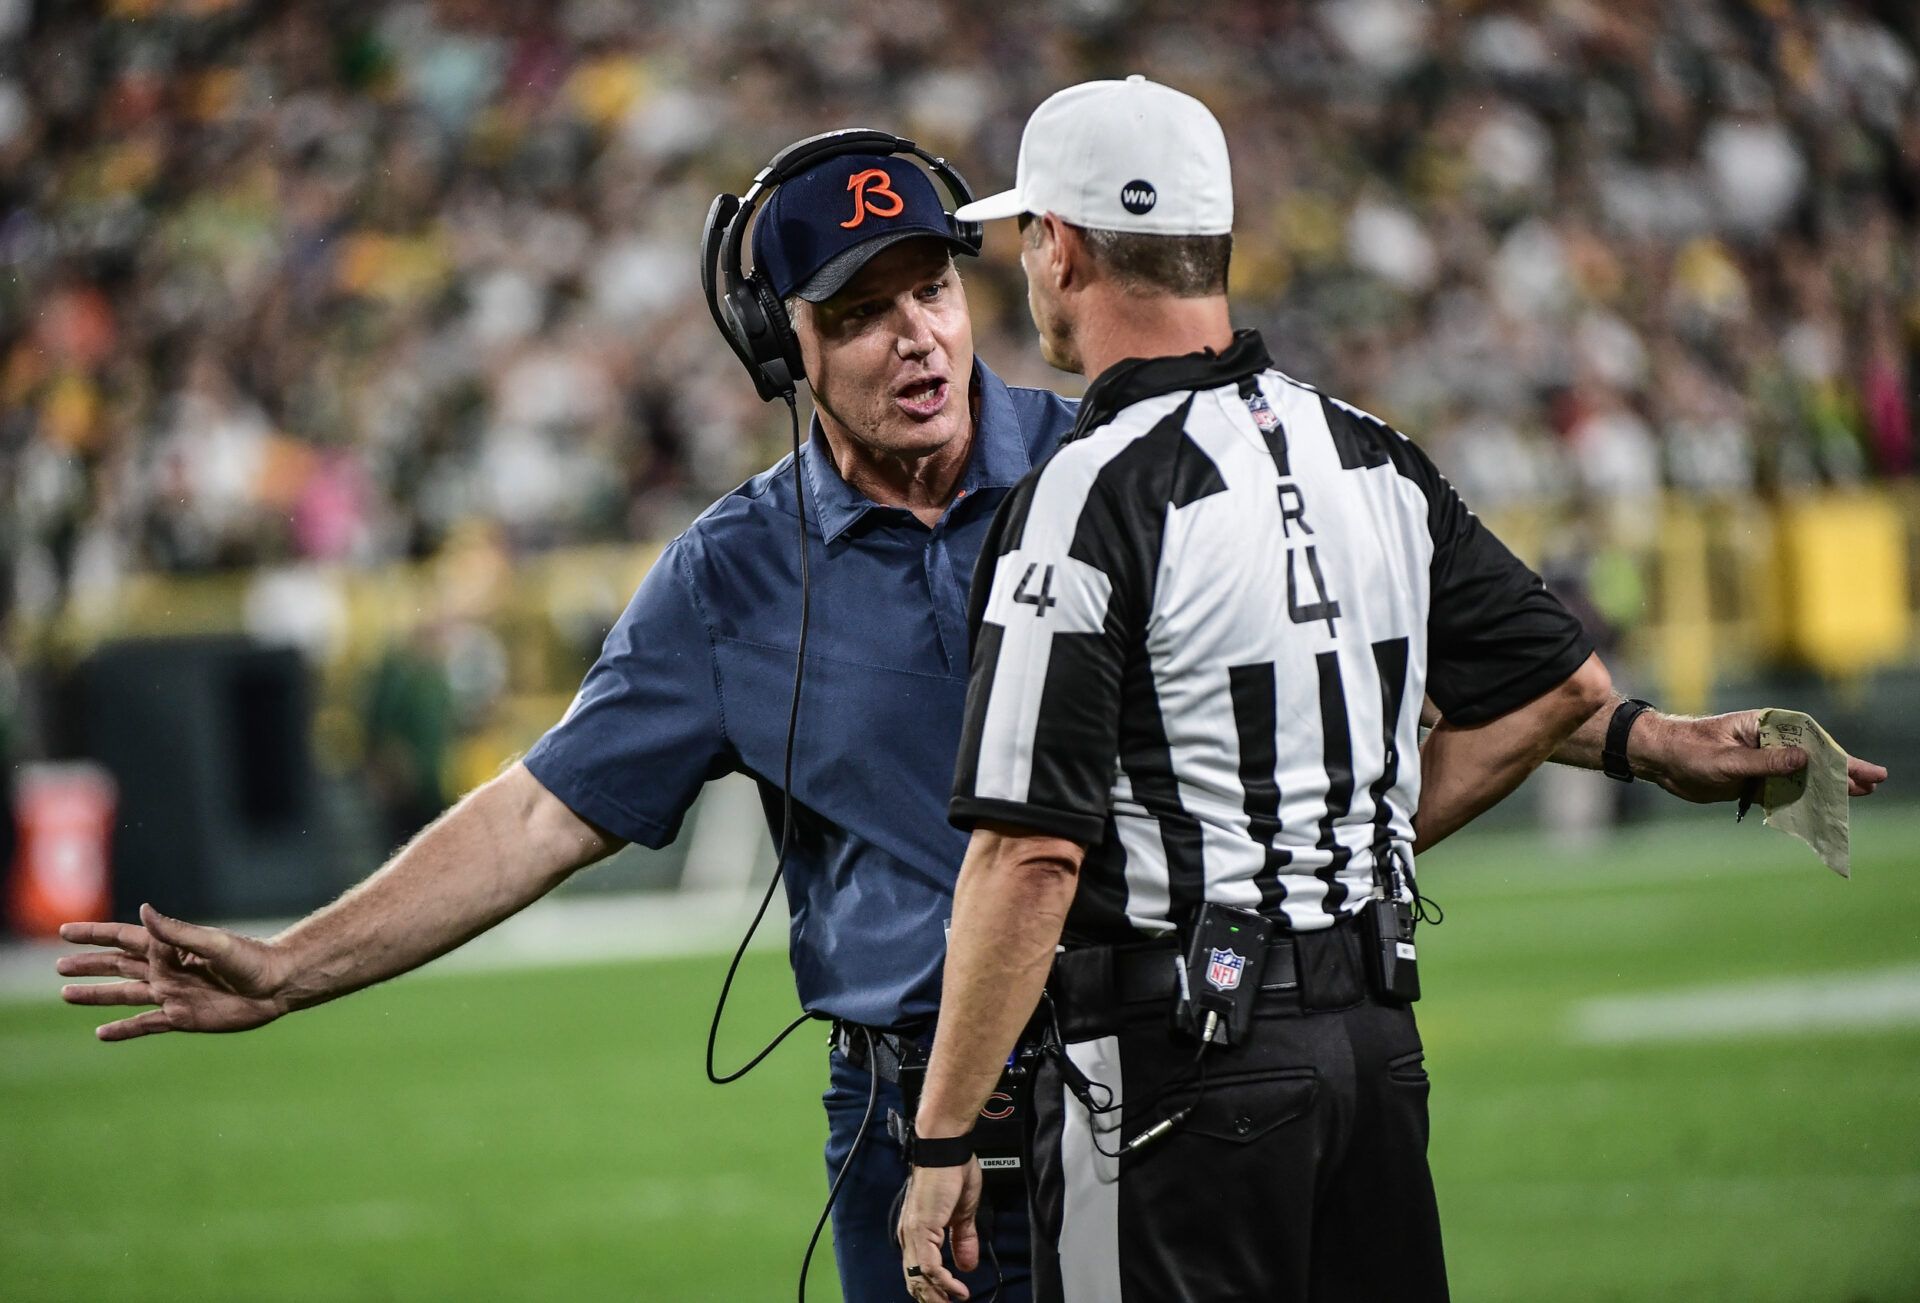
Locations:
(890, 1050)
(1092, 980)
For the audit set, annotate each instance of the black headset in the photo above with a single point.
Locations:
(749, 314)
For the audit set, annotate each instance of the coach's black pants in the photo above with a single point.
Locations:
(1300, 1176)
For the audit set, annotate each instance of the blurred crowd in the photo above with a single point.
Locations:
(290, 281)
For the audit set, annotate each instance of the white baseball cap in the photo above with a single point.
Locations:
(1127, 155)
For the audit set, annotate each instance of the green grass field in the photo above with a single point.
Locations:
(549, 1135)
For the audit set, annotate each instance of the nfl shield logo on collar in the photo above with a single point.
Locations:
(1223, 969)
(1264, 416)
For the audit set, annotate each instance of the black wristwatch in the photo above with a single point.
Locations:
(1613, 756)
(938, 1151)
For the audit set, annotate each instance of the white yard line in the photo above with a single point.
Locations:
(1720, 1195)
(577, 929)
(1846, 1002)
(575, 1209)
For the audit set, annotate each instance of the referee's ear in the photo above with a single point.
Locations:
(1064, 258)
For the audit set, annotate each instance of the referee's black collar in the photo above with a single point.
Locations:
(1134, 379)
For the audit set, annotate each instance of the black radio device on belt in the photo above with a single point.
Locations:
(1387, 922)
(1000, 1132)
(1220, 974)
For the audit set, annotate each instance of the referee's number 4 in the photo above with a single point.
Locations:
(1041, 600)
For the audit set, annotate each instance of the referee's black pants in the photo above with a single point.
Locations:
(1301, 1175)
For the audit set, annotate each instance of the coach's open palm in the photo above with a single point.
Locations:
(203, 979)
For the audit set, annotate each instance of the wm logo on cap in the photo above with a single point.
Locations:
(1138, 197)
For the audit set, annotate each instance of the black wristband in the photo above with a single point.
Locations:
(938, 1151)
(1613, 756)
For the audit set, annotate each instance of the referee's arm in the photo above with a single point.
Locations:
(1059, 585)
(1010, 906)
(1496, 637)
(1009, 909)
(1512, 671)
(1699, 758)
(1057, 588)
(1466, 769)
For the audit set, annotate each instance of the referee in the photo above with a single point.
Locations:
(1205, 629)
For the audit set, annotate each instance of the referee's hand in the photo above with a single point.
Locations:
(940, 1200)
(1718, 757)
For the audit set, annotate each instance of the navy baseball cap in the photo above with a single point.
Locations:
(822, 226)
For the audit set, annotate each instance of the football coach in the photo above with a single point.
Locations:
(913, 446)
(1204, 633)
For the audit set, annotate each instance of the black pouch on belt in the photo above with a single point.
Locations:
(1000, 1132)
(1392, 967)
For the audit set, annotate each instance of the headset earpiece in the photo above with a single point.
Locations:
(755, 324)
(781, 361)
(971, 234)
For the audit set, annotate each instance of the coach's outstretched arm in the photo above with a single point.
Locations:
(500, 849)
(1465, 770)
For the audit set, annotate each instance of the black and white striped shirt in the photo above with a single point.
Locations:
(1202, 632)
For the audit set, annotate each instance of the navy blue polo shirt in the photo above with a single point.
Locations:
(695, 679)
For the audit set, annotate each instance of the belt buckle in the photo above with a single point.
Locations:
(1283, 960)
(843, 1039)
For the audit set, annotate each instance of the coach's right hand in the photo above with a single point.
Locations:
(506, 844)
(203, 979)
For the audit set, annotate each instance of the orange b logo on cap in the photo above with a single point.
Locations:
(868, 186)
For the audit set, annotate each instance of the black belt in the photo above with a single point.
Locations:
(890, 1049)
(1094, 980)
(1089, 978)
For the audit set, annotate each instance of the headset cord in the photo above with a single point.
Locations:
(1082, 1088)
(766, 900)
(986, 1238)
(779, 870)
(1196, 1073)
(1425, 908)
(846, 1164)
(786, 795)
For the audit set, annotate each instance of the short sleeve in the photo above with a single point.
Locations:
(1496, 638)
(645, 731)
(1039, 743)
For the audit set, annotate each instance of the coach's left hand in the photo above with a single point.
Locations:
(939, 1200)
(1718, 757)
